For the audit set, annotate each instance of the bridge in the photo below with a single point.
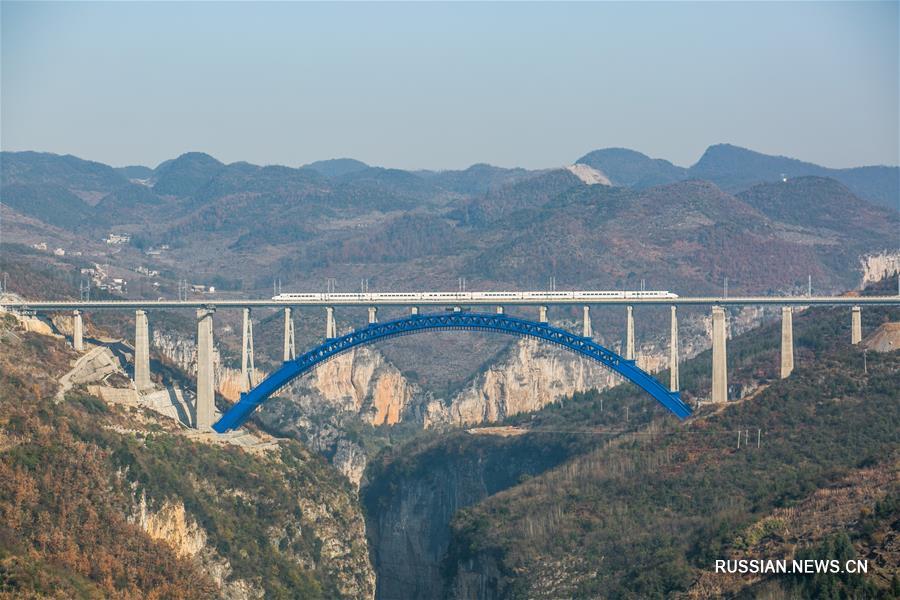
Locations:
(456, 318)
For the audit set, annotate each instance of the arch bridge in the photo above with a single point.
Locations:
(253, 393)
(458, 321)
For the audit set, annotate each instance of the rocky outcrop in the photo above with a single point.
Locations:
(411, 503)
(183, 353)
(172, 525)
(530, 377)
(876, 267)
(362, 381)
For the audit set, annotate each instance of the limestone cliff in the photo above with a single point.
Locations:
(182, 351)
(876, 267)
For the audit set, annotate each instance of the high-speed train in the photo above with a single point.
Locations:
(481, 297)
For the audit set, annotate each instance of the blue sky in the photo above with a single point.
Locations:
(446, 85)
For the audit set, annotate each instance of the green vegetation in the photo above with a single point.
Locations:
(71, 483)
(639, 517)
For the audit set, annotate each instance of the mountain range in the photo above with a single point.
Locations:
(764, 221)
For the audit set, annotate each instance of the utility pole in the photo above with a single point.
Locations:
(809, 286)
(865, 362)
(725, 288)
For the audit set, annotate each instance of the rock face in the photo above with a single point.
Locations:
(532, 376)
(183, 352)
(876, 267)
(172, 525)
(362, 381)
(411, 503)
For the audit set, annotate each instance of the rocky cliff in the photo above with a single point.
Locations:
(412, 500)
(882, 265)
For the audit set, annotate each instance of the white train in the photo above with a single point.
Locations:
(462, 297)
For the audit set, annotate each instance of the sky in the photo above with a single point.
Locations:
(441, 86)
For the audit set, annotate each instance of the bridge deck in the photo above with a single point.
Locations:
(269, 303)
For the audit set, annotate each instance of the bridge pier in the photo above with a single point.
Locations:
(248, 369)
(77, 331)
(787, 341)
(330, 327)
(719, 358)
(373, 315)
(206, 390)
(674, 383)
(141, 352)
(629, 333)
(542, 314)
(856, 325)
(586, 329)
(499, 310)
(290, 349)
(414, 310)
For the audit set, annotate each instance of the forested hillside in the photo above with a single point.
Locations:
(99, 500)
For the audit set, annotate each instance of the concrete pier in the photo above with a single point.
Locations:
(290, 349)
(499, 310)
(719, 356)
(330, 327)
(414, 310)
(674, 383)
(856, 325)
(373, 315)
(248, 369)
(77, 331)
(586, 329)
(206, 385)
(629, 333)
(542, 314)
(141, 352)
(787, 341)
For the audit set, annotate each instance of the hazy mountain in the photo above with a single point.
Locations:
(86, 179)
(628, 168)
(477, 179)
(688, 235)
(499, 226)
(186, 174)
(532, 193)
(337, 167)
(734, 169)
(817, 202)
(136, 172)
(47, 202)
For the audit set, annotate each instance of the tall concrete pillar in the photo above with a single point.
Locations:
(787, 341)
(586, 329)
(373, 315)
(290, 349)
(499, 310)
(206, 390)
(856, 325)
(248, 369)
(629, 333)
(77, 331)
(542, 314)
(141, 352)
(330, 327)
(719, 358)
(674, 383)
(414, 310)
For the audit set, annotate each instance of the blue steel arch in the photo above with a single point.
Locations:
(465, 321)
